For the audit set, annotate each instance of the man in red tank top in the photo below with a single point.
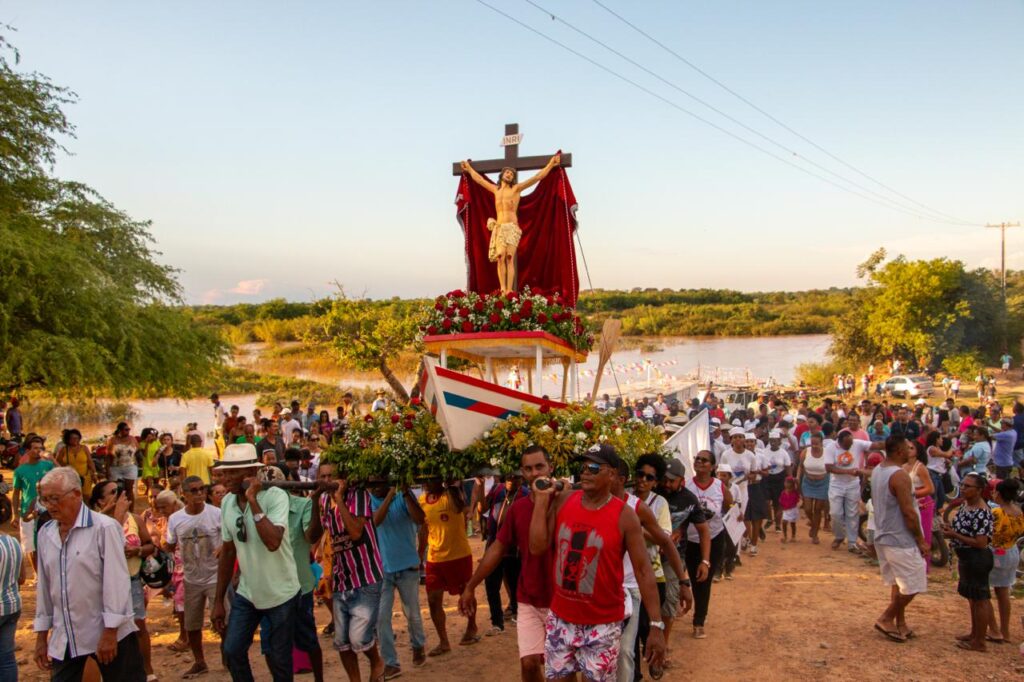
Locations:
(588, 531)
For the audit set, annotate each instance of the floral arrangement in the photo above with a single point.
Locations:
(459, 312)
(566, 434)
(402, 446)
(408, 444)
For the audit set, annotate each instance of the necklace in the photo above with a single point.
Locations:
(606, 501)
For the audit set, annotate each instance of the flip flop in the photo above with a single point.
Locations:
(438, 651)
(469, 641)
(994, 640)
(192, 674)
(967, 647)
(910, 634)
(891, 634)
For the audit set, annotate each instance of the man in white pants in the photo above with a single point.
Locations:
(844, 459)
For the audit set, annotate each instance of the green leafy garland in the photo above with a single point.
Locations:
(408, 445)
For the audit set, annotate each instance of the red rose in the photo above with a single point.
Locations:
(458, 293)
(553, 425)
(542, 318)
(513, 433)
(449, 312)
(485, 327)
(588, 425)
(511, 295)
(499, 304)
(515, 318)
(463, 312)
(447, 324)
(545, 408)
(431, 330)
(368, 418)
(478, 306)
(439, 305)
(467, 327)
(495, 318)
(550, 300)
(407, 424)
(415, 401)
(395, 418)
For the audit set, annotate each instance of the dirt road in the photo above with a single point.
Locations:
(796, 611)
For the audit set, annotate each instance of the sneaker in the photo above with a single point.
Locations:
(778, 529)
(698, 633)
(391, 672)
(753, 550)
(495, 630)
(718, 577)
(419, 656)
(728, 576)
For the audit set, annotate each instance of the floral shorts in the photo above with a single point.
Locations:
(590, 649)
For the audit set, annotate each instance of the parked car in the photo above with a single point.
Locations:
(909, 386)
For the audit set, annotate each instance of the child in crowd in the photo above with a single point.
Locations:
(789, 500)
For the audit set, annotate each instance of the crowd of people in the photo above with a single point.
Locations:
(593, 573)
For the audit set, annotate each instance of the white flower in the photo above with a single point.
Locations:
(580, 435)
(618, 432)
(602, 438)
(487, 434)
(495, 461)
(545, 428)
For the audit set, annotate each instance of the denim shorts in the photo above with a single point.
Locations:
(305, 627)
(138, 599)
(355, 618)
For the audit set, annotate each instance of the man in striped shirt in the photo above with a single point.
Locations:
(346, 514)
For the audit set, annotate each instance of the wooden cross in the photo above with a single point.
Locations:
(512, 158)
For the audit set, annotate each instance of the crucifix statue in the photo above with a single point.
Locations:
(504, 228)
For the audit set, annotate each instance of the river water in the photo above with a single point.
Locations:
(659, 361)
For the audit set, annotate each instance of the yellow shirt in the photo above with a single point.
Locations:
(197, 462)
(446, 530)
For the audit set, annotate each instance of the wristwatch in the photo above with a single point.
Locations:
(685, 582)
(256, 518)
(657, 624)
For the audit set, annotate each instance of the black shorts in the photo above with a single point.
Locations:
(757, 505)
(974, 567)
(774, 485)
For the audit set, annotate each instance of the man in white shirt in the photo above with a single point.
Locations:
(196, 527)
(288, 426)
(844, 459)
(218, 411)
(90, 616)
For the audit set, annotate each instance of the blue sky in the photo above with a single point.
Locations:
(280, 147)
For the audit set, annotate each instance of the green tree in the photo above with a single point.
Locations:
(922, 311)
(370, 334)
(85, 308)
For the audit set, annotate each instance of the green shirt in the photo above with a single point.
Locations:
(26, 478)
(268, 579)
(299, 516)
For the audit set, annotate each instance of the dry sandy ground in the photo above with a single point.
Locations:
(797, 611)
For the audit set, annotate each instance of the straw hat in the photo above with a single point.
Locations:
(239, 456)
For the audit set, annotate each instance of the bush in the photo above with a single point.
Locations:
(964, 365)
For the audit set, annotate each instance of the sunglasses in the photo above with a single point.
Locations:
(591, 467)
(646, 477)
(240, 529)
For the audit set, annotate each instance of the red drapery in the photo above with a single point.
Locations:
(546, 259)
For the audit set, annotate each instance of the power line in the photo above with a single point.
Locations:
(699, 117)
(772, 118)
(767, 138)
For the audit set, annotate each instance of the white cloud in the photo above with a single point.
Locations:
(249, 287)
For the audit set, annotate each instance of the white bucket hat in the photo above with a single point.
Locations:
(239, 456)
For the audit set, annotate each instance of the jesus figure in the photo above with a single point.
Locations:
(505, 231)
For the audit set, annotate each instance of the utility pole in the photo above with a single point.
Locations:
(1002, 257)
(1002, 278)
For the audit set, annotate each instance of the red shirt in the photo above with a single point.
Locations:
(588, 563)
(534, 585)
